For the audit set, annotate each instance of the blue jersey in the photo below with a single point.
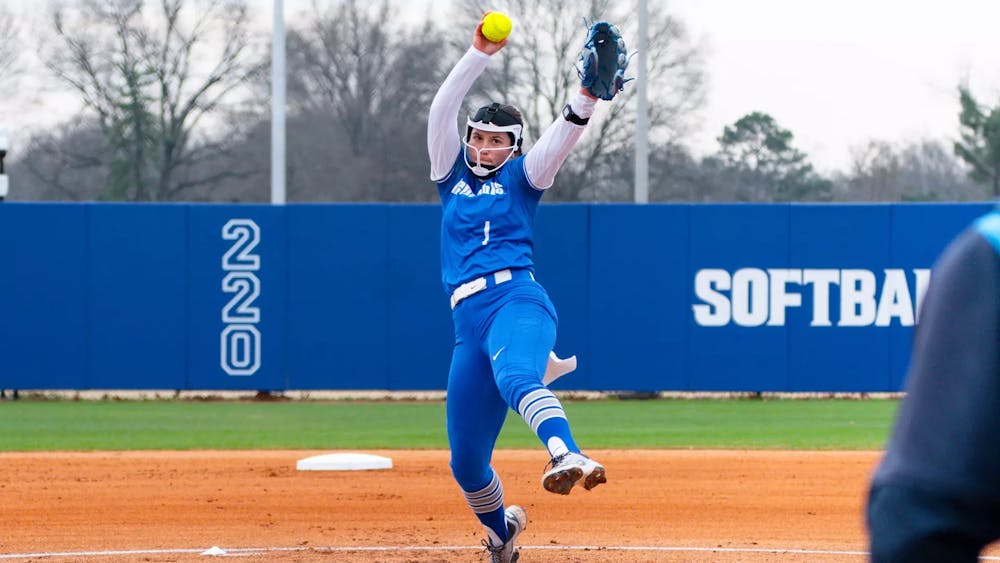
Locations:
(487, 224)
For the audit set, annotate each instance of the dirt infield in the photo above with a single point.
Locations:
(662, 505)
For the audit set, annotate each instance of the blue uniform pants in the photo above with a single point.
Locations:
(503, 336)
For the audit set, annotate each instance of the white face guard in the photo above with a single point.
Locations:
(477, 168)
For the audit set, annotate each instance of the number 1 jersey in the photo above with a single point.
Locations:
(487, 224)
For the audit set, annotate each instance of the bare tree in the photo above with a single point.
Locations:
(537, 73)
(875, 171)
(919, 171)
(9, 44)
(359, 90)
(930, 171)
(675, 175)
(61, 164)
(155, 77)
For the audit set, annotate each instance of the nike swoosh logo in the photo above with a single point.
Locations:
(498, 352)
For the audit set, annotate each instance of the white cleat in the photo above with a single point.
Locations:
(557, 368)
(517, 521)
(569, 468)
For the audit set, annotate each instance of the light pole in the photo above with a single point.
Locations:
(278, 105)
(642, 113)
(4, 146)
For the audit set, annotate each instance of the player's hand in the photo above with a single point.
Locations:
(482, 44)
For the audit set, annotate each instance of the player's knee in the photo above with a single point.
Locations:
(514, 382)
(470, 472)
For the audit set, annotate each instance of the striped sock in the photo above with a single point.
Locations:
(487, 504)
(544, 414)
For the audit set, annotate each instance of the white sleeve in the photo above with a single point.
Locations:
(548, 154)
(443, 140)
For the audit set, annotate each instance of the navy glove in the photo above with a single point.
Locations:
(603, 61)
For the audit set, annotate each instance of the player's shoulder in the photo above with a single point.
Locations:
(988, 226)
(975, 252)
(454, 173)
(513, 172)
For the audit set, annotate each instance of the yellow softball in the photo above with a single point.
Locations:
(496, 26)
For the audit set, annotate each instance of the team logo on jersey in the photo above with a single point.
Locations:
(462, 188)
(489, 188)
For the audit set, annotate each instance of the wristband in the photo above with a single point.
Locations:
(574, 118)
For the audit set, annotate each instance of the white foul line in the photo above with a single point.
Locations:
(238, 551)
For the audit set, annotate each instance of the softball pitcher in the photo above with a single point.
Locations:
(505, 324)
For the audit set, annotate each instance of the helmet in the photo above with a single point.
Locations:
(494, 118)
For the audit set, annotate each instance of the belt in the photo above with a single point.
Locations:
(494, 279)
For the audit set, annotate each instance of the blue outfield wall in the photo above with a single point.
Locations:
(687, 297)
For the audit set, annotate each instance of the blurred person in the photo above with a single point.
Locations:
(935, 496)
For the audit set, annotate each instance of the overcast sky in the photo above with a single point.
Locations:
(836, 74)
(839, 73)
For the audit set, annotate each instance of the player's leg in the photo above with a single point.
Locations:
(520, 338)
(475, 415)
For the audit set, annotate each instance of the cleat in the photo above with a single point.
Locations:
(517, 521)
(569, 468)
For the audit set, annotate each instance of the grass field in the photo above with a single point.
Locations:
(29, 425)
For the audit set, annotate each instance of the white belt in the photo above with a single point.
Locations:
(473, 287)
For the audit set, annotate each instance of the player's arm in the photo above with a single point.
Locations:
(548, 154)
(443, 140)
(603, 62)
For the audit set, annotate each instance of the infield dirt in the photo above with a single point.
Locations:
(717, 506)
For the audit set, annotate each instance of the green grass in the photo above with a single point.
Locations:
(28, 425)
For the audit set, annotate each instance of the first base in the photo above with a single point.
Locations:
(343, 462)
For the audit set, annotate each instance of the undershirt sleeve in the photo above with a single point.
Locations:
(443, 141)
(548, 154)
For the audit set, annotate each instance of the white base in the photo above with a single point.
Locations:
(343, 462)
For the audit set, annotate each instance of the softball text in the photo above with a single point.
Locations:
(755, 297)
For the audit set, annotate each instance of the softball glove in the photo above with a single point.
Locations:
(603, 61)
